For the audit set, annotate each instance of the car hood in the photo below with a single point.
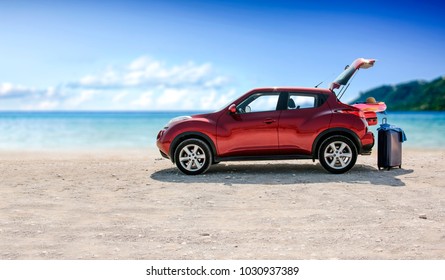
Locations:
(197, 117)
(346, 75)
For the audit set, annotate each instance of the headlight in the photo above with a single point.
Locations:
(177, 119)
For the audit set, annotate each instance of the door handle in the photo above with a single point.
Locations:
(269, 121)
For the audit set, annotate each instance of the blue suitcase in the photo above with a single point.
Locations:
(389, 143)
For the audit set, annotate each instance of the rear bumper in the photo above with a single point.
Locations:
(367, 143)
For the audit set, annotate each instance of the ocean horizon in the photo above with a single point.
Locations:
(85, 130)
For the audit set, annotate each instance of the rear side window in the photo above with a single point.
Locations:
(304, 100)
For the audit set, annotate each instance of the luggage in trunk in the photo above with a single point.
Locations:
(390, 140)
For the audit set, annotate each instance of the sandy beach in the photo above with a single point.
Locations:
(136, 205)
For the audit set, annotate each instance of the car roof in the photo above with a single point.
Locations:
(294, 89)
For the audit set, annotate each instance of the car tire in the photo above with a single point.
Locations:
(193, 156)
(337, 154)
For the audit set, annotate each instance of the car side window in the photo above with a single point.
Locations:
(259, 102)
(301, 101)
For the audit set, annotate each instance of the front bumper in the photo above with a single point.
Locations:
(162, 145)
(163, 155)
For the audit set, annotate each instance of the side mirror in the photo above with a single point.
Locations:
(232, 109)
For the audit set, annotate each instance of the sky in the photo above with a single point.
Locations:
(200, 55)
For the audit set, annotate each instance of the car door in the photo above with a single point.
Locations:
(253, 129)
(307, 114)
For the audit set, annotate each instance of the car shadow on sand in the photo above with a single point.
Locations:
(284, 173)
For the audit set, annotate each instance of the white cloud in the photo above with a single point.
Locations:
(9, 90)
(51, 92)
(119, 96)
(217, 82)
(153, 85)
(145, 71)
(29, 98)
(47, 105)
(183, 99)
(144, 100)
(81, 97)
(44, 105)
(143, 83)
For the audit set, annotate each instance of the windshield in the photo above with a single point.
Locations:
(222, 107)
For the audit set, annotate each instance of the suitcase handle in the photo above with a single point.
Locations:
(384, 121)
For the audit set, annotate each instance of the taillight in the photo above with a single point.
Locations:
(371, 117)
(372, 121)
(358, 113)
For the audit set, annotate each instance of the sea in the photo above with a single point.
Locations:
(138, 130)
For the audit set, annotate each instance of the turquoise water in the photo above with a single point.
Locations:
(81, 130)
(105, 130)
(423, 129)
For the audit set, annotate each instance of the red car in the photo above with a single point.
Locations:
(274, 123)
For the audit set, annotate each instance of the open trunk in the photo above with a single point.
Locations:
(343, 79)
(346, 75)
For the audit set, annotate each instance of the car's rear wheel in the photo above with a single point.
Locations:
(193, 156)
(337, 154)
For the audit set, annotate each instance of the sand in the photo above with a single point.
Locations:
(136, 205)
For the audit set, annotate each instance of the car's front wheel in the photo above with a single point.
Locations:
(193, 156)
(337, 154)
